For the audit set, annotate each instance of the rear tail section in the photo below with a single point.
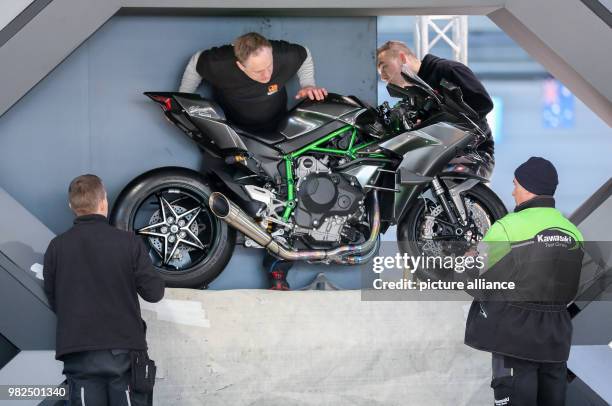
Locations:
(165, 99)
(201, 119)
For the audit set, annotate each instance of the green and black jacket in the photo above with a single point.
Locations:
(541, 251)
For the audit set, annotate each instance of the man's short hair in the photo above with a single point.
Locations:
(85, 194)
(394, 47)
(249, 44)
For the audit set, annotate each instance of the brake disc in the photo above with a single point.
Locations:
(478, 220)
(478, 216)
(181, 257)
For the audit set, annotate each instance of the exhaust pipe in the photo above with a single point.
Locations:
(233, 215)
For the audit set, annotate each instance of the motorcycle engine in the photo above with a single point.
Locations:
(326, 200)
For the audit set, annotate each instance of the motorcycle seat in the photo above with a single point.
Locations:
(268, 137)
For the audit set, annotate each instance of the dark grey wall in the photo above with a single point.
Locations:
(89, 114)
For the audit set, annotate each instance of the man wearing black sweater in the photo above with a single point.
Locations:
(395, 56)
(93, 274)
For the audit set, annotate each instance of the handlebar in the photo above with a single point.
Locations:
(417, 106)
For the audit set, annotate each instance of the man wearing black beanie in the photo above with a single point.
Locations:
(528, 330)
(537, 176)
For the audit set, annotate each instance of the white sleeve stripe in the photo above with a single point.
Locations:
(191, 78)
(306, 72)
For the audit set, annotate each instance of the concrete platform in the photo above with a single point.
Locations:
(257, 347)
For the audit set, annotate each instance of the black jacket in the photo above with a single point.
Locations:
(93, 274)
(434, 69)
(541, 252)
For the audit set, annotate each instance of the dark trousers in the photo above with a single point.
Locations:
(518, 382)
(101, 378)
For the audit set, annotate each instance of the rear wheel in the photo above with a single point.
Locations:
(168, 208)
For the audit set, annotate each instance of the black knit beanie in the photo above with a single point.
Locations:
(538, 176)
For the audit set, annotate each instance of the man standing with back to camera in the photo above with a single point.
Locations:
(93, 274)
(248, 80)
(528, 330)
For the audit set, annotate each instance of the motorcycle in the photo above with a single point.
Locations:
(322, 188)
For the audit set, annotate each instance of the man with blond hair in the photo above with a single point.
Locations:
(93, 275)
(248, 79)
(395, 56)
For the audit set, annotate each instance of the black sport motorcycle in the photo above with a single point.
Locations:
(322, 188)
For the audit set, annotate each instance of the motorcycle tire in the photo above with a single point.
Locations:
(408, 228)
(192, 184)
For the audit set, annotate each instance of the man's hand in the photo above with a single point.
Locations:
(312, 92)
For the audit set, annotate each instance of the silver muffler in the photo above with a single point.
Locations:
(228, 211)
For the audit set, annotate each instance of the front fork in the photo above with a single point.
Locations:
(455, 205)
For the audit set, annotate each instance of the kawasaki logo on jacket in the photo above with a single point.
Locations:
(554, 238)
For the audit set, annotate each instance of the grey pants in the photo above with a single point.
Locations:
(101, 378)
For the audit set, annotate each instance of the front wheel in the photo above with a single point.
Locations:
(426, 229)
(168, 208)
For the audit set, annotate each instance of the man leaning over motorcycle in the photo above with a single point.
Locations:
(393, 57)
(248, 80)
